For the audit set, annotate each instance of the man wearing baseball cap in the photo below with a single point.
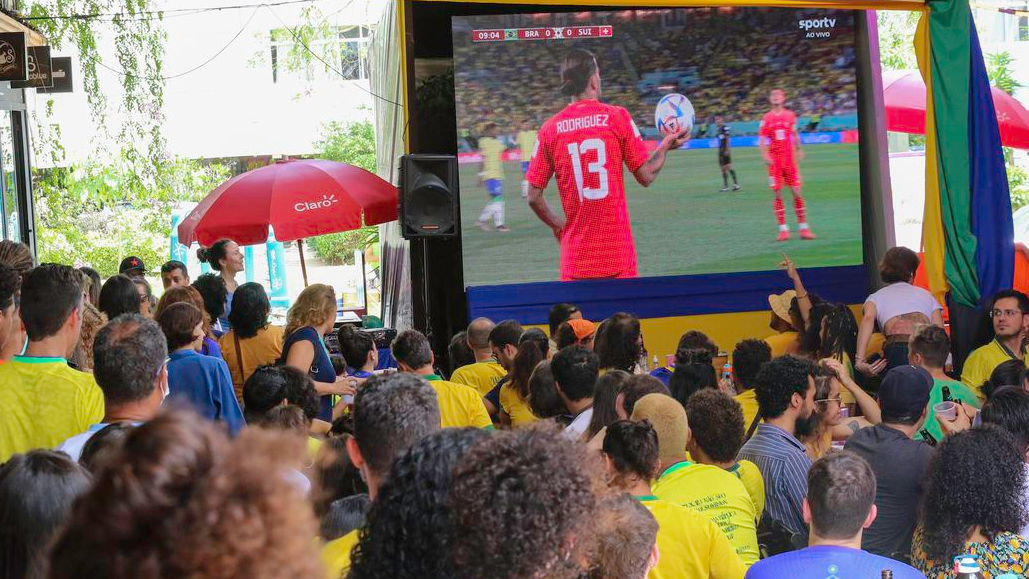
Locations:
(784, 341)
(132, 266)
(897, 460)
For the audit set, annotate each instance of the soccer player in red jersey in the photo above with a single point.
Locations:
(780, 146)
(585, 145)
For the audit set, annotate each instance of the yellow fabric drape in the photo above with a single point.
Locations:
(932, 219)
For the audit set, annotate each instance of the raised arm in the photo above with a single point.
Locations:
(648, 171)
(803, 300)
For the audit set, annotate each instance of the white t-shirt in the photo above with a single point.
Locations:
(578, 426)
(902, 298)
(73, 446)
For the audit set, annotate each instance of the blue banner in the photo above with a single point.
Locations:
(179, 252)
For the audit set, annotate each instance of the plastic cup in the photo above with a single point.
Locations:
(946, 410)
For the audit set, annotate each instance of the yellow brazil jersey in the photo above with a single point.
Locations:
(750, 476)
(690, 545)
(526, 144)
(748, 402)
(492, 162)
(782, 344)
(482, 376)
(515, 406)
(336, 555)
(459, 405)
(313, 446)
(718, 495)
(44, 402)
(981, 363)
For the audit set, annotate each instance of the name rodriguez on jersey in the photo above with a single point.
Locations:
(579, 123)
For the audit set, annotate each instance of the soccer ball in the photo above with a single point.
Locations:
(674, 114)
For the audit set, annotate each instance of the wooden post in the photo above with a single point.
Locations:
(303, 264)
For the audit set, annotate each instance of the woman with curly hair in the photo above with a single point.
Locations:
(252, 341)
(410, 529)
(189, 294)
(619, 344)
(523, 503)
(212, 289)
(973, 503)
(182, 501)
(312, 316)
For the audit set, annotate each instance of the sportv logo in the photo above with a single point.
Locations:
(812, 25)
(822, 23)
(324, 203)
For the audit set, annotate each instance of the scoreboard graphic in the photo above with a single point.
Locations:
(559, 33)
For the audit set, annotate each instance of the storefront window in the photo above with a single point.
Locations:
(9, 178)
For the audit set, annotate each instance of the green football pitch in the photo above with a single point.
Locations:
(682, 224)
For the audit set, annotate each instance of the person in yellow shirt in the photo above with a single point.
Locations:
(526, 140)
(747, 358)
(486, 372)
(533, 348)
(492, 178)
(459, 405)
(716, 436)
(689, 544)
(252, 341)
(1009, 313)
(391, 413)
(717, 494)
(44, 400)
(784, 340)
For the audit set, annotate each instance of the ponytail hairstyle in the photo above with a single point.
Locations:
(633, 449)
(532, 349)
(578, 68)
(694, 371)
(214, 255)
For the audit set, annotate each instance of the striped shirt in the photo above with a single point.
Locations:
(780, 458)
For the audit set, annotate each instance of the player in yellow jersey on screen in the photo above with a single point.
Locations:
(526, 139)
(492, 177)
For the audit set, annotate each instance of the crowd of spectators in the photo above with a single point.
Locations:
(551, 452)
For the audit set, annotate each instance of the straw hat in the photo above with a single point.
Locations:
(780, 304)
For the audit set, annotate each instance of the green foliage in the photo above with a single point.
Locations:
(138, 42)
(96, 214)
(999, 70)
(1018, 181)
(896, 39)
(352, 143)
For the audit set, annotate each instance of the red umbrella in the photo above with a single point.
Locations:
(904, 95)
(298, 197)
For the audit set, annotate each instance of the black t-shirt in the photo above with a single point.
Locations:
(898, 463)
(723, 139)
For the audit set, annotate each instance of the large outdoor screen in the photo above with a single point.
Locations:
(562, 119)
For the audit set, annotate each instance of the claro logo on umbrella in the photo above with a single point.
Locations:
(325, 202)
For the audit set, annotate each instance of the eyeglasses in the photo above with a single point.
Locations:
(1005, 313)
(838, 400)
(162, 367)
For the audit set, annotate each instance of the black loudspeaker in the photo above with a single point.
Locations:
(428, 196)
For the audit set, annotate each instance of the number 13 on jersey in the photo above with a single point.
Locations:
(577, 151)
